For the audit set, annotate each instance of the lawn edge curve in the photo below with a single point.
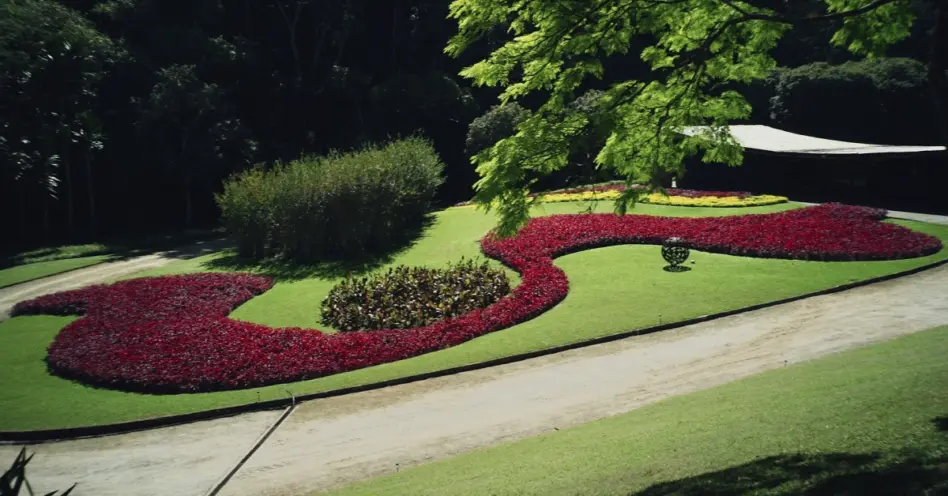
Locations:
(53, 435)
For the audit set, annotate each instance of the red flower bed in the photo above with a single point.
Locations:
(172, 334)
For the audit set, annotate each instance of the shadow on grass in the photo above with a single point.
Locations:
(817, 475)
(184, 244)
(288, 270)
(283, 269)
(676, 268)
(941, 423)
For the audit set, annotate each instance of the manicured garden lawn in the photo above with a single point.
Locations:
(612, 290)
(868, 421)
(36, 270)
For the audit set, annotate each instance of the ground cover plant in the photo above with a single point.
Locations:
(173, 334)
(867, 421)
(611, 290)
(406, 297)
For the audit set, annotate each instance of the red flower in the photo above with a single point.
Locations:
(172, 334)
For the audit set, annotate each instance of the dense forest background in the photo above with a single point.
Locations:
(124, 116)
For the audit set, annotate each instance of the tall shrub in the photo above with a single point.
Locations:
(246, 205)
(341, 206)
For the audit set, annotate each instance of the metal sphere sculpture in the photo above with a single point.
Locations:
(675, 252)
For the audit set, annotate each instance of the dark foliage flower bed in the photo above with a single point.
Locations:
(172, 334)
(406, 297)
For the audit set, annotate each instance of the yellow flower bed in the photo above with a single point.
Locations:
(678, 201)
(715, 201)
(584, 196)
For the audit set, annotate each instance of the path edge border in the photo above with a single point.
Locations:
(72, 433)
(48, 276)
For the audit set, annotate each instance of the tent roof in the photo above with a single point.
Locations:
(768, 139)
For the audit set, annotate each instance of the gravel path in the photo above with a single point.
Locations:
(326, 443)
(181, 461)
(100, 273)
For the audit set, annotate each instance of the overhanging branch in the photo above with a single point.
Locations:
(753, 16)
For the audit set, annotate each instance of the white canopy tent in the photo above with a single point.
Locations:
(768, 139)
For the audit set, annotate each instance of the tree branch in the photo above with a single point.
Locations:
(752, 16)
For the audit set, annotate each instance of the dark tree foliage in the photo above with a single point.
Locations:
(496, 124)
(877, 100)
(176, 95)
(126, 115)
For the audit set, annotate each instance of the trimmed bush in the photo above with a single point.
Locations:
(406, 297)
(342, 206)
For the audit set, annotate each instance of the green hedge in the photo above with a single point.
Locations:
(342, 206)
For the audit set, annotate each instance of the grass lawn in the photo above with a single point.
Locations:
(868, 421)
(36, 270)
(612, 290)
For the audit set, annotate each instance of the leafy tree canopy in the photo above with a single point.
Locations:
(695, 50)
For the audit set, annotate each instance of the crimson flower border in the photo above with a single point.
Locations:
(173, 334)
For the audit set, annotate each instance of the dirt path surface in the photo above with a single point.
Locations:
(329, 442)
(100, 273)
(326, 443)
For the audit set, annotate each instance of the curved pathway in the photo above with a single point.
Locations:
(329, 442)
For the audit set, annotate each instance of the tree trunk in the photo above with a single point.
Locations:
(395, 36)
(90, 191)
(291, 31)
(45, 216)
(188, 214)
(938, 69)
(21, 215)
(70, 204)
